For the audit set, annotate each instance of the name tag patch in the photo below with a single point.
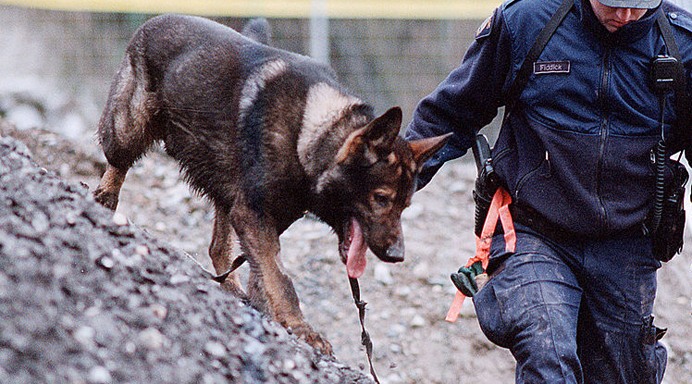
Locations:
(548, 67)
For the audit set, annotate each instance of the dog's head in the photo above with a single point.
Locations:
(372, 184)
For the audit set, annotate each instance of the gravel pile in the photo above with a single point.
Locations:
(407, 302)
(86, 297)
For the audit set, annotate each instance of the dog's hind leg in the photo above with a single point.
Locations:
(221, 250)
(126, 128)
(269, 289)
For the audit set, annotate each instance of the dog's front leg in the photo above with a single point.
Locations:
(108, 189)
(269, 289)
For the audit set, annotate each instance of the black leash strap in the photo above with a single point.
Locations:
(668, 38)
(235, 265)
(526, 68)
(682, 99)
(364, 336)
(360, 304)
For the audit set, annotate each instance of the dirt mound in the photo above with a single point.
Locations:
(407, 302)
(86, 297)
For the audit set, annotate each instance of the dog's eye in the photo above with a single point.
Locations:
(381, 199)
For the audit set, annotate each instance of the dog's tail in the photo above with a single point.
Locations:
(259, 30)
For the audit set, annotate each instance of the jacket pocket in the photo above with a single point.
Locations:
(542, 170)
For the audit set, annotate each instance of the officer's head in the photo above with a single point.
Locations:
(615, 14)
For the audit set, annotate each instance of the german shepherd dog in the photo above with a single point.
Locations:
(266, 135)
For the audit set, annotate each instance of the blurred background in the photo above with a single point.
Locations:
(59, 56)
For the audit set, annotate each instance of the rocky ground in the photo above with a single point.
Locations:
(406, 302)
(87, 298)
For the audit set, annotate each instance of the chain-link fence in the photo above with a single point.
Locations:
(63, 62)
(56, 66)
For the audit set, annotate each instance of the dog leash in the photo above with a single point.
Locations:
(477, 265)
(365, 339)
(235, 265)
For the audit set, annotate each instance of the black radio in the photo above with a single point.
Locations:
(666, 221)
(664, 74)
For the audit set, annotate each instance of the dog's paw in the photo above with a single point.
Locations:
(106, 198)
(307, 334)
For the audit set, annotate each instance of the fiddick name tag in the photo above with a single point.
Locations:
(548, 67)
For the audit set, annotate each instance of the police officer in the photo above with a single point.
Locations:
(573, 303)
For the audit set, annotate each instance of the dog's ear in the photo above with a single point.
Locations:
(381, 132)
(373, 141)
(423, 149)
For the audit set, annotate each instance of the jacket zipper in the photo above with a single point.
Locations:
(604, 135)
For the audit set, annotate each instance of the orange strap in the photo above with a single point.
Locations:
(499, 210)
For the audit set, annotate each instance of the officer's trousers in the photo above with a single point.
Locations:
(576, 311)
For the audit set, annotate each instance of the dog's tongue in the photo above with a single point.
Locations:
(355, 261)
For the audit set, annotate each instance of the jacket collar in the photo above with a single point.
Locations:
(627, 34)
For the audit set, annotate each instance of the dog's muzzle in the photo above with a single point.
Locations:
(393, 254)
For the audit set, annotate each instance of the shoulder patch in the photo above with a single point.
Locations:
(486, 27)
(680, 19)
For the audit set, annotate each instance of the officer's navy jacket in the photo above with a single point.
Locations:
(577, 147)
